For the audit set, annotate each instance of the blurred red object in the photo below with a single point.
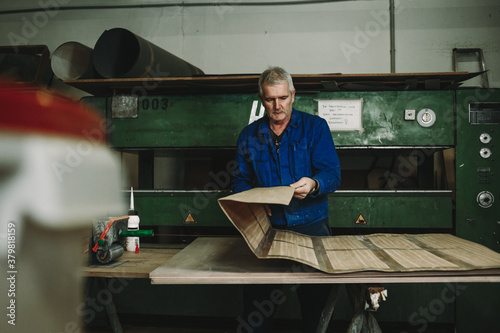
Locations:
(26, 108)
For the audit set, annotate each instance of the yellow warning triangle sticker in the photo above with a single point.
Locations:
(361, 219)
(189, 218)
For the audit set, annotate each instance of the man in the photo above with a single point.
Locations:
(288, 147)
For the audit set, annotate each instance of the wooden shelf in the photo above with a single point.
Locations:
(247, 83)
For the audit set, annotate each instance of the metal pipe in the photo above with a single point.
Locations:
(392, 33)
(142, 5)
(119, 53)
(72, 61)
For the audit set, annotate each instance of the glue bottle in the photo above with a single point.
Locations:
(132, 243)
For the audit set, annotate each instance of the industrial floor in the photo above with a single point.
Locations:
(157, 324)
(132, 329)
(138, 329)
(172, 330)
(199, 328)
(135, 329)
(179, 324)
(208, 328)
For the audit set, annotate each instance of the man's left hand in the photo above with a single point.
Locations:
(303, 187)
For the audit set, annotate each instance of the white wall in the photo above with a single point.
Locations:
(428, 30)
(336, 37)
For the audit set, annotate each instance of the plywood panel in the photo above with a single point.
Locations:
(343, 254)
(228, 260)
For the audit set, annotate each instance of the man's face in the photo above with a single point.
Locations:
(277, 100)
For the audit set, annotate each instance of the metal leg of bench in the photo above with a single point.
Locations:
(327, 312)
(110, 308)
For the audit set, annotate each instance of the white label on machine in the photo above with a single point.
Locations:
(342, 114)
(253, 113)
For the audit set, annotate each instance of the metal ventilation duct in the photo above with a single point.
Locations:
(119, 53)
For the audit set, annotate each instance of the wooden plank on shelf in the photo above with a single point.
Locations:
(247, 83)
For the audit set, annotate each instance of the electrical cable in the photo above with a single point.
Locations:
(158, 5)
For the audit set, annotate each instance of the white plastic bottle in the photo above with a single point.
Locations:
(132, 243)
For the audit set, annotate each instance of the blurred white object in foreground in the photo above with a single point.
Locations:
(56, 176)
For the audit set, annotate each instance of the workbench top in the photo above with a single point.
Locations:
(228, 260)
(132, 265)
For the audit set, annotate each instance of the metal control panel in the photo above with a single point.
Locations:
(478, 166)
(478, 197)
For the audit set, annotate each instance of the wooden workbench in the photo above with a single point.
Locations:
(228, 260)
(132, 265)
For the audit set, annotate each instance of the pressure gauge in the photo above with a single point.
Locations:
(485, 138)
(485, 152)
(485, 199)
(426, 117)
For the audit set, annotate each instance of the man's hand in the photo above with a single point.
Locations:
(303, 187)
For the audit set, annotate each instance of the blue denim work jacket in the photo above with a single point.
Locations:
(307, 150)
